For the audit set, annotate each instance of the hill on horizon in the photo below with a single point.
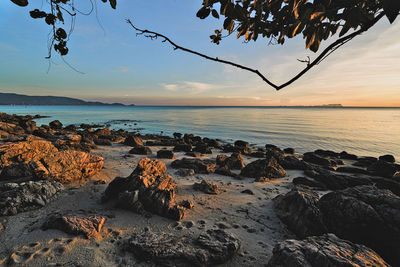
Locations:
(18, 99)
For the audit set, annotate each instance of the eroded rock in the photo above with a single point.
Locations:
(207, 187)
(268, 168)
(198, 165)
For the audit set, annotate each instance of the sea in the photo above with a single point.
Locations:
(362, 131)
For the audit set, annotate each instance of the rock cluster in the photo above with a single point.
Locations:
(148, 188)
(268, 168)
(198, 165)
(163, 249)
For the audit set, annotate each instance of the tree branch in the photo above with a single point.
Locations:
(310, 64)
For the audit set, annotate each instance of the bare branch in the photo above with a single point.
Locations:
(310, 64)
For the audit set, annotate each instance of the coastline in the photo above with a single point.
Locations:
(245, 207)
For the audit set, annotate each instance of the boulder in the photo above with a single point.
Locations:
(289, 150)
(241, 143)
(318, 159)
(294, 163)
(207, 187)
(198, 165)
(268, 168)
(225, 170)
(365, 161)
(87, 225)
(183, 148)
(21, 197)
(163, 249)
(384, 169)
(387, 158)
(327, 250)
(185, 172)
(141, 150)
(365, 215)
(349, 169)
(234, 162)
(148, 187)
(41, 159)
(193, 154)
(258, 154)
(299, 210)
(102, 142)
(133, 140)
(345, 155)
(305, 181)
(220, 159)
(56, 125)
(165, 154)
(202, 148)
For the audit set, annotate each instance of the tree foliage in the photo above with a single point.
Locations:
(278, 20)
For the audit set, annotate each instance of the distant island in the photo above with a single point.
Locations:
(17, 99)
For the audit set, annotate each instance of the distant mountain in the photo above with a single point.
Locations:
(16, 99)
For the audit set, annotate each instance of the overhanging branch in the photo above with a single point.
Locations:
(323, 55)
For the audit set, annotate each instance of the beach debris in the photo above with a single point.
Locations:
(208, 249)
(165, 154)
(21, 197)
(198, 165)
(87, 225)
(148, 188)
(41, 159)
(326, 250)
(268, 168)
(207, 187)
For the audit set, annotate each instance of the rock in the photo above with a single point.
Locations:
(244, 150)
(345, 155)
(299, 210)
(21, 197)
(133, 140)
(241, 143)
(268, 168)
(198, 165)
(105, 132)
(187, 204)
(207, 187)
(270, 146)
(102, 142)
(183, 148)
(289, 150)
(258, 154)
(387, 158)
(213, 143)
(203, 148)
(164, 249)
(148, 187)
(248, 192)
(334, 181)
(326, 153)
(365, 161)
(365, 215)
(1, 227)
(276, 153)
(89, 226)
(318, 159)
(384, 169)
(193, 154)
(41, 159)
(177, 135)
(326, 250)
(294, 163)
(234, 162)
(165, 154)
(141, 150)
(220, 159)
(224, 170)
(350, 169)
(55, 125)
(185, 172)
(309, 182)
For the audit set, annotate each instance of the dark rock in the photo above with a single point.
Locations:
(258, 154)
(365, 161)
(234, 162)
(349, 169)
(164, 249)
(133, 141)
(183, 148)
(193, 154)
(268, 168)
(55, 125)
(276, 153)
(334, 181)
(220, 159)
(187, 204)
(387, 158)
(177, 135)
(247, 191)
(294, 163)
(345, 155)
(203, 149)
(366, 215)
(225, 170)
(102, 142)
(198, 165)
(318, 159)
(207, 187)
(21, 197)
(326, 153)
(141, 150)
(299, 210)
(148, 188)
(309, 182)
(241, 143)
(384, 169)
(185, 172)
(213, 143)
(244, 150)
(326, 250)
(165, 154)
(270, 147)
(89, 226)
(289, 150)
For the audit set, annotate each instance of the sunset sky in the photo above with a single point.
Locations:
(120, 67)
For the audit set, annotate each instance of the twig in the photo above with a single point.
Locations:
(310, 64)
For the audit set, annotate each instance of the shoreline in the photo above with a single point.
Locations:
(245, 205)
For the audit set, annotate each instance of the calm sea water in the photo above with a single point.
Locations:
(363, 131)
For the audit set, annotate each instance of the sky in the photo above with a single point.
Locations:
(119, 66)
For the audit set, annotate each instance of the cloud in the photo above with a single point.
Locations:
(192, 88)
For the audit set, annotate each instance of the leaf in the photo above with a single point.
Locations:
(203, 13)
(113, 3)
(215, 14)
(392, 9)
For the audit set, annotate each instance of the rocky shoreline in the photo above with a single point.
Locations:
(90, 196)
